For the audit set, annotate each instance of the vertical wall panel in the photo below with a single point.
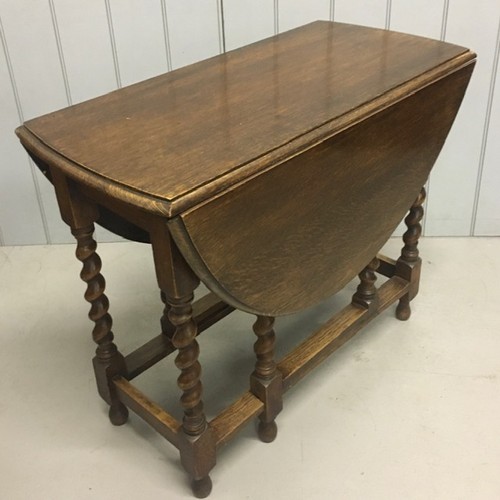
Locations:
(453, 181)
(86, 46)
(422, 18)
(488, 214)
(139, 37)
(63, 50)
(246, 21)
(35, 60)
(293, 13)
(87, 57)
(20, 217)
(364, 12)
(29, 31)
(193, 27)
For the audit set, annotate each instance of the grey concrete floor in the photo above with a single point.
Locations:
(403, 411)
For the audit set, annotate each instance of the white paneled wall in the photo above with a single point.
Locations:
(59, 52)
(366, 12)
(456, 179)
(246, 21)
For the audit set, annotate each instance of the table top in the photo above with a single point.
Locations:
(181, 137)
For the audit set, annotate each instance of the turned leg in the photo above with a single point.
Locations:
(366, 294)
(177, 283)
(108, 361)
(166, 326)
(409, 264)
(266, 381)
(194, 424)
(184, 339)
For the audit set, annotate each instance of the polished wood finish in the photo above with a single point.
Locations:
(206, 311)
(151, 412)
(178, 283)
(166, 326)
(181, 316)
(247, 110)
(366, 293)
(335, 333)
(266, 381)
(107, 356)
(265, 366)
(274, 174)
(80, 214)
(176, 280)
(386, 266)
(316, 187)
(409, 253)
(234, 417)
(409, 263)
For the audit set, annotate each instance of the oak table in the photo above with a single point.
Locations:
(273, 174)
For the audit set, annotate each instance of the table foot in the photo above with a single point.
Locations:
(403, 310)
(201, 487)
(118, 413)
(267, 431)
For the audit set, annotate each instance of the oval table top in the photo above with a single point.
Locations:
(175, 140)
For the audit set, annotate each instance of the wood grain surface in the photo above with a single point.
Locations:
(301, 231)
(275, 174)
(185, 135)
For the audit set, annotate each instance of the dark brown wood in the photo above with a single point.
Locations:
(266, 381)
(234, 417)
(409, 253)
(248, 109)
(146, 356)
(387, 266)
(148, 410)
(265, 366)
(197, 444)
(366, 294)
(303, 258)
(167, 328)
(207, 311)
(273, 174)
(177, 284)
(335, 333)
(409, 264)
(180, 314)
(108, 362)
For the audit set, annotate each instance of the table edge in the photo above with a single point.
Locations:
(242, 173)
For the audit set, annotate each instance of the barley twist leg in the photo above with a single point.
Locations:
(410, 254)
(266, 380)
(108, 361)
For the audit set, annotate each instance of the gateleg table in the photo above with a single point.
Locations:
(273, 174)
